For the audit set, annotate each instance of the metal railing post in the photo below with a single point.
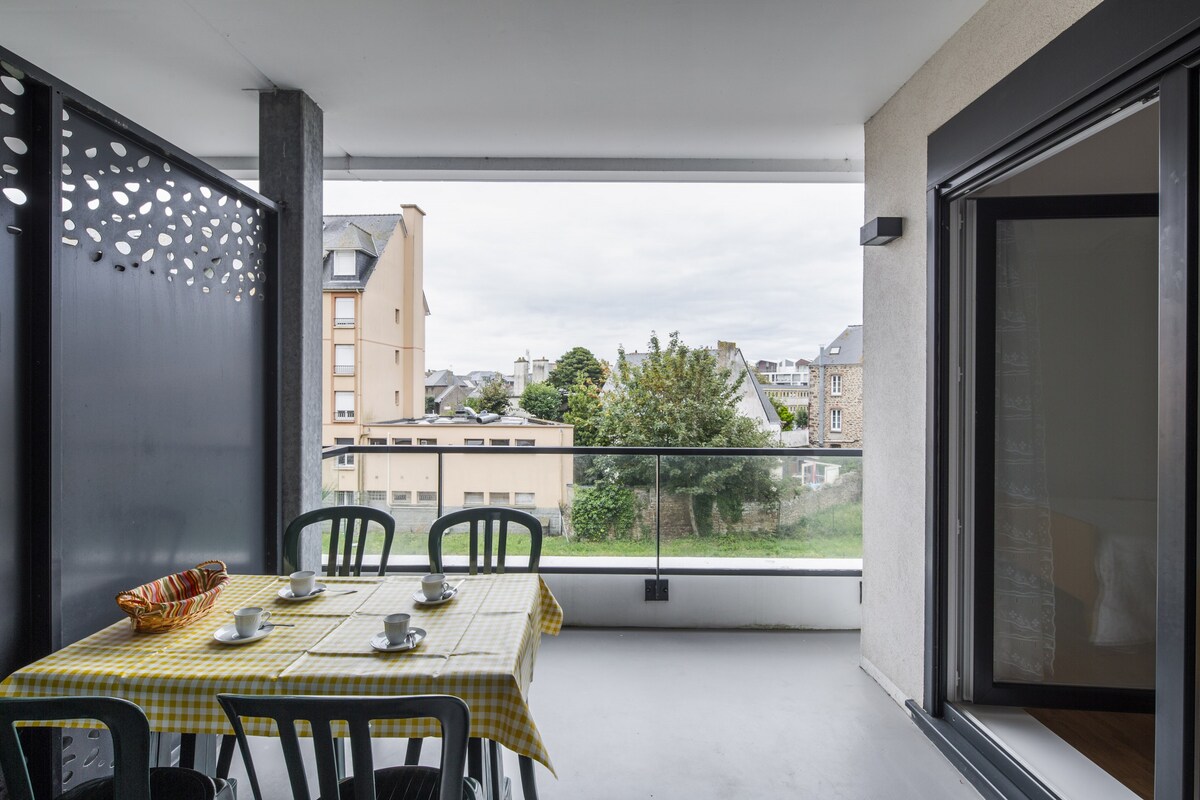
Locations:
(657, 521)
(440, 505)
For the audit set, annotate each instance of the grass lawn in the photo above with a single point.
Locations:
(834, 533)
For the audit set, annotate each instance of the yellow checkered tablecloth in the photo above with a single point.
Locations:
(481, 646)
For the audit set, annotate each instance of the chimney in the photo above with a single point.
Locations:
(520, 375)
(725, 353)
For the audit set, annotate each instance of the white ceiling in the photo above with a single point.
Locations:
(620, 79)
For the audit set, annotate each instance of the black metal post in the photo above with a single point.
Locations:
(1175, 671)
(440, 504)
(657, 522)
(42, 247)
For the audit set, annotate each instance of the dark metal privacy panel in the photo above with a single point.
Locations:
(129, 210)
(162, 334)
(14, 190)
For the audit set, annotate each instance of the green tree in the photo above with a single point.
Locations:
(680, 397)
(430, 405)
(584, 410)
(542, 401)
(786, 417)
(801, 418)
(493, 397)
(571, 365)
(676, 397)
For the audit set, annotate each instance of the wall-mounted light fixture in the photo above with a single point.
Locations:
(880, 230)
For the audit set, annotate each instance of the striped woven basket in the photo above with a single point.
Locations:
(176, 600)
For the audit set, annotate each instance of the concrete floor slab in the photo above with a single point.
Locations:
(673, 714)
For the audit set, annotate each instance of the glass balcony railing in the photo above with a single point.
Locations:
(660, 504)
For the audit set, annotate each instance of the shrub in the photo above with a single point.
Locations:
(603, 511)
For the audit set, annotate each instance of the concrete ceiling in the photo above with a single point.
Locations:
(448, 79)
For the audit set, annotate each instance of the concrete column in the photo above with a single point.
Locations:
(290, 144)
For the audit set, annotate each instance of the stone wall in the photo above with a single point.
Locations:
(756, 517)
(850, 402)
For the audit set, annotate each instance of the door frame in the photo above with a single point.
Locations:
(981, 615)
(1113, 55)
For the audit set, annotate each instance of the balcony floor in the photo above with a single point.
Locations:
(669, 714)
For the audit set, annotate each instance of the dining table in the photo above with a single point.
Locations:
(480, 646)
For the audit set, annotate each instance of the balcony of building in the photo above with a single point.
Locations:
(160, 343)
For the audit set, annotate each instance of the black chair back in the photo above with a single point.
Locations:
(495, 534)
(357, 713)
(347, 537)
(125, 721)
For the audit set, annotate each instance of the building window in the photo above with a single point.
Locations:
(346, 460)
(500, 442)
(343, 312)
(401, 498)
(524, 442)
(402, 441)
(835, 385)
(343, 498)
(498, 498)
(835, 420)
(343, 264)
(397, 397)
(472, 498)
(473, 442)
(377, 441)
(426, 498)
(376, 496)
(524, 499)
(343, 405)
(396, 355)
(833, 351)
(343, 359)
(427, 441)
(397, 316)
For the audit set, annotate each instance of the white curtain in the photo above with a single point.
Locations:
(1024, 561)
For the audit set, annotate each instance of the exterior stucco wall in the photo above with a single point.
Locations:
(1002, 35)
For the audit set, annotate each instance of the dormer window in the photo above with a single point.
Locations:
(343, 264)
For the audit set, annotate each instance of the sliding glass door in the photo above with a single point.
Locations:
(1066, 449)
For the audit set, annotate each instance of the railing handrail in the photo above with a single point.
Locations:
(474, 449)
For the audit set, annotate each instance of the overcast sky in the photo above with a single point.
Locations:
(543, 267)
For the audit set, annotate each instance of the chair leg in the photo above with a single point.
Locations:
(225, 757)
(475, 763)
(339, 757)
(528, 782)
(413, 756)
(495, 768)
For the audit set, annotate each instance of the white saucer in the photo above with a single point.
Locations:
(420, 598)
(227, 634)
(286, 593)
(379, 641)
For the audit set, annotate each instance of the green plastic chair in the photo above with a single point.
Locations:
(132, 778)
(495, 535)
(495, 521)
(393, 783)
(347, 545)
(347, 538)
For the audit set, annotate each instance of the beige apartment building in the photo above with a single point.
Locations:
(793, 398)
(407, 484)
(372, 322)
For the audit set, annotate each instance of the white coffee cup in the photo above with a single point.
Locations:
(303, 582)
(395, 627)
(248, 620)
(434, 586)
